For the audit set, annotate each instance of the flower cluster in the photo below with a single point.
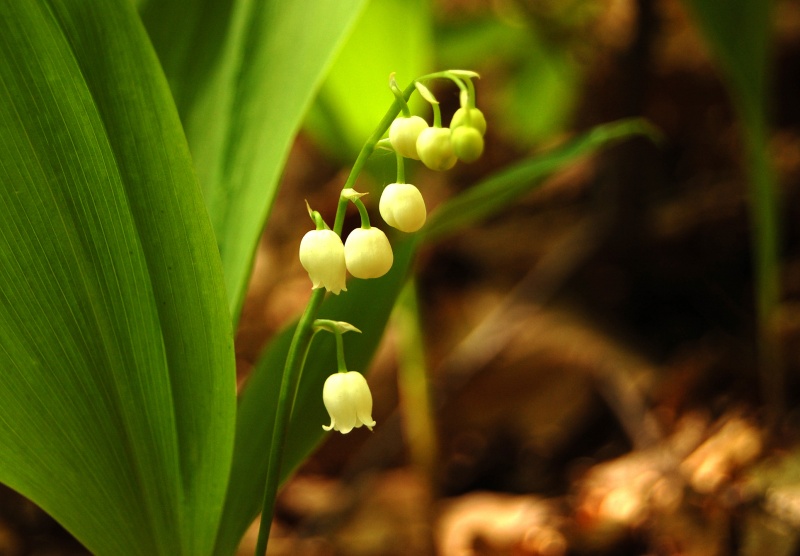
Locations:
(367, 253)
(439, 148)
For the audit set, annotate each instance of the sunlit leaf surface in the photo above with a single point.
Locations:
(242, 100)
(117, 383)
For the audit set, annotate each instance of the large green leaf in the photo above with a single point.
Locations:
(367, 305)
(243, 104)
(117, 388)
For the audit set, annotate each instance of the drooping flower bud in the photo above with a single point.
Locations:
(322, 255)
(467, 143)
(403, 134)
(349, 402)
(403, 207)
(435, 148)
(476, 119)
(367, 253)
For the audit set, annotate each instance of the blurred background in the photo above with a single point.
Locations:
(583, 374)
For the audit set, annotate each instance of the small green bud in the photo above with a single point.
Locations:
(476, 119)
(403, 134)
(467, 143)
(435, 148)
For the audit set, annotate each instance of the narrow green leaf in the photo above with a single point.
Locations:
(500, 190)
(242, 113)
(117, 390)
(739, 34)
(367, 305)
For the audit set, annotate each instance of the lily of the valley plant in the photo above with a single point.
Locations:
(366, 253)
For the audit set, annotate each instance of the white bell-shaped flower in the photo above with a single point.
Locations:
(349, 402)
(322, 255)
(403, 207)
(367, 253)
(403, 134)
(435, 148)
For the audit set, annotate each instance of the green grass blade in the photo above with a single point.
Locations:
(117, 390)
(243, 112)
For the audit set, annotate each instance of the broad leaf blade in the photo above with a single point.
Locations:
(242, 115)
(115, 342)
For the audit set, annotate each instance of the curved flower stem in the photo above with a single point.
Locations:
(401, 171)
(369, 148)
(340, 364)
(301, 341)
(362, 212)
(304, 332)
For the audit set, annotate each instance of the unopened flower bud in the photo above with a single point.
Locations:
(322, 255)
(367, 253)
(403, 134)
(476, 119)
(467, 143)
(403, 207)
(349, 402)
(435, 148)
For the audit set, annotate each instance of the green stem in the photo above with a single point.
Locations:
(401, 168)
(471, 98)
(298, 349)
(340, 364)
(362, 211)
(399, 96)
(437, 115)
(369, 148)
